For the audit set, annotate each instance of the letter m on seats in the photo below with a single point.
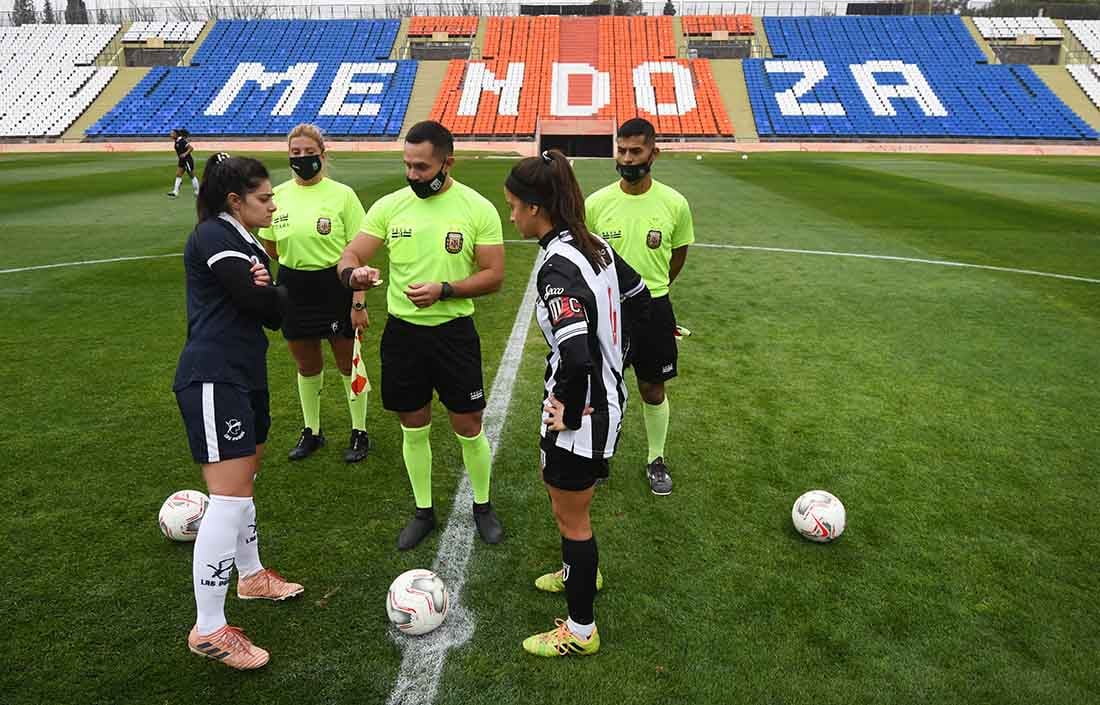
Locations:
(299, 76)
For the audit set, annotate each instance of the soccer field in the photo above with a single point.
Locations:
(954, 410)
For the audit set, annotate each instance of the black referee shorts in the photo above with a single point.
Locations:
(569, 471)
(319, 305)
(417, 360)
(223, 421)
(653, 352)
(187, 164)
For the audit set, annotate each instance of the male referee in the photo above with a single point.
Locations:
(445, 247)
(649, 224)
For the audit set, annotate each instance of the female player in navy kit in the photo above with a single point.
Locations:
(221, 389)
(185, 161)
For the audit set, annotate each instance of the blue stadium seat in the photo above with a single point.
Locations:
(897, 77)
(238, 82)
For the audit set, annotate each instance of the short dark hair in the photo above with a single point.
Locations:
(638, 126)
(443, 142)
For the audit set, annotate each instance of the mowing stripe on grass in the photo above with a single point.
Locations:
(891, 258)
(423, 657)
(84, 262)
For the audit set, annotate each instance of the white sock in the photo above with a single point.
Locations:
(176, 188)
(194, 184)
(248, 542)
(584, 631)
(212, 562)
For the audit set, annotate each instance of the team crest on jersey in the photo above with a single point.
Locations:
(653, 239)
(324, 226)
(453, 242)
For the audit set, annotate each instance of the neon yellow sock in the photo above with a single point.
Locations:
(477, 458)
(656, 427)
(416, 447)
(356, 405)
(309, 393)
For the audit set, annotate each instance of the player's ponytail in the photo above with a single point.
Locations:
(224, 175)
(548, 181)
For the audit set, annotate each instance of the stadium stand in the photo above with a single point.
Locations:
(454, 26)
(579, 67)
(262, 77)
(896, 77)
(180, 32)
(1087, 77)
(695, 25)
(1013, 27)
(49, 76)
(1088, 33)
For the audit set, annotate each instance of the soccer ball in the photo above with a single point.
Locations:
(818, 516)
(417, 602)
(181, 514)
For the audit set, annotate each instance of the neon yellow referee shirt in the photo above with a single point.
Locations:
(313, 223)
(643, 229)
(432, 240)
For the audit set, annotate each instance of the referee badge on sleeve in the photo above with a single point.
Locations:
(324, 226)
(453, 242)
(653, 239)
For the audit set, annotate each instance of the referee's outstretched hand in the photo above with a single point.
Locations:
(424, 295)
(365, 277)
(260, 275)
(555, 413)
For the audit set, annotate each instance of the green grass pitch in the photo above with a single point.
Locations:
(954, 411)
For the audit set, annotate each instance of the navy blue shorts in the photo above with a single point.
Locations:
(223, 421)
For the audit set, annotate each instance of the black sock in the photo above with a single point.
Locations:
(580, 559)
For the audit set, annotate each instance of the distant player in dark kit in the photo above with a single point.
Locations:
(649, 224)
(445, 247)
(221, 389)
(587, 298)
(185, 161)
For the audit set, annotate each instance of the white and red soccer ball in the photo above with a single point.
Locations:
(181, 514)
(417, 601)
(819, 516)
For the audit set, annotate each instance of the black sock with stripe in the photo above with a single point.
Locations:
(579, 561)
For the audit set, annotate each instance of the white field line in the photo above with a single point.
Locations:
(86, 262)
(423, 657)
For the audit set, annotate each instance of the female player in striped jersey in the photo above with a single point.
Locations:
(221, 389)
(581, 286)
(185, 161)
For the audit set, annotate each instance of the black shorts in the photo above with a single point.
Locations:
(319, 305)
(569, 471)
(223, 421)
(653, 353)
(187, 164)
(419, 359)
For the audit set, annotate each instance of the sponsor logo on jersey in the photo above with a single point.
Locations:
(280, 221)
(666, 369)
(554, 291)
(564, 308)
(324, 226)
(396, 232)
(611, 234)
(453, 242)
(234, 430)
(653, 239)
(479, 394)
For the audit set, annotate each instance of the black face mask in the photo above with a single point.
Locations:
(633, 173)
(306, 167)
(430, 188)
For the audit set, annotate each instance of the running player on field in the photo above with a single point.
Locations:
(185, 161)
(445, 247)
(317, 218)
(649, 224)
(221, 389)
(580, 285)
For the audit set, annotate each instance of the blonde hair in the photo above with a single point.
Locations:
(307, 130)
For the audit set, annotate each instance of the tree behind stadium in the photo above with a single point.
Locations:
(76, 12)
(22, 12)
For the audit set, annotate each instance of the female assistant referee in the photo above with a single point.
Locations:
(221, 389)
(185, 161)
(317, 218)
(581, 287)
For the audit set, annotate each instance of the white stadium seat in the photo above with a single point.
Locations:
(49, 76)
(1088, 77)
(1088, 33)
(1012, 27)
(180, 32)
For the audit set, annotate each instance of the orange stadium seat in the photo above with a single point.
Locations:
(695, 25)
(454, 26)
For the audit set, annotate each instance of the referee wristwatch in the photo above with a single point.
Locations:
(446, 291)
(359, 305)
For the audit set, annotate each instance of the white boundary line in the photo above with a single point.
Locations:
(891, 258)
(423, 658)
(85, 262)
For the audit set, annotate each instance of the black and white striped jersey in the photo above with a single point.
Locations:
(181, 146)
(581, 313)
